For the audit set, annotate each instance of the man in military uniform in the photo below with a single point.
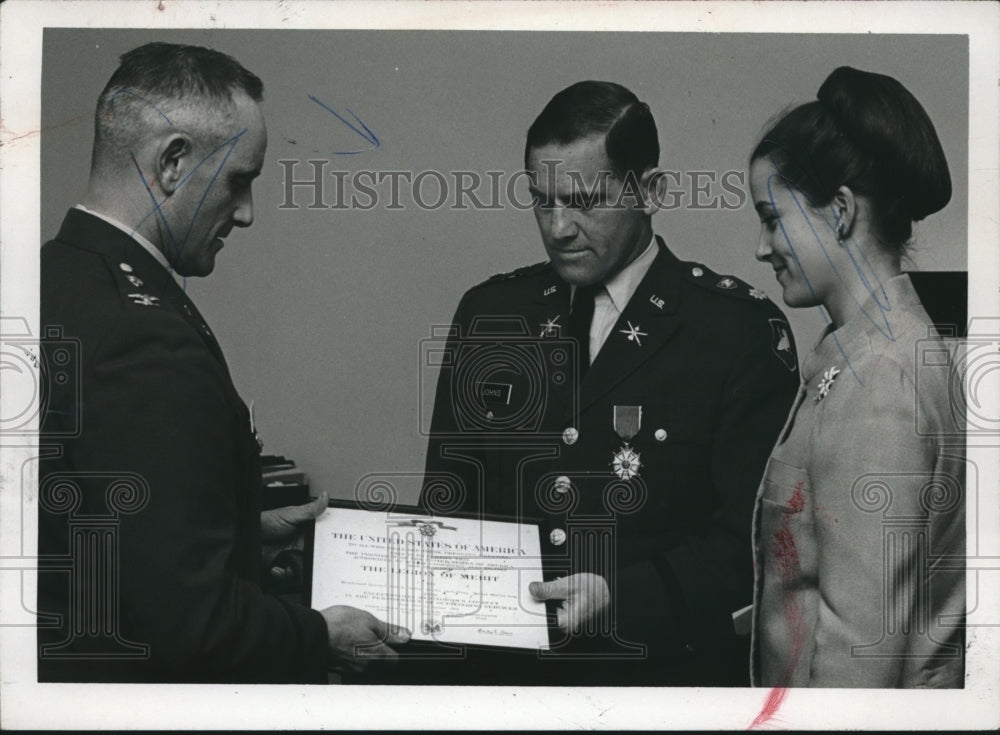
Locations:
(627, 399)
(150, 522)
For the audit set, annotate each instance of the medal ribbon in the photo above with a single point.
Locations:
(627, 421)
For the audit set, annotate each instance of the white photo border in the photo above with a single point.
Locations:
(26, 704)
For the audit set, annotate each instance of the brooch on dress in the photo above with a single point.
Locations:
(826, 382)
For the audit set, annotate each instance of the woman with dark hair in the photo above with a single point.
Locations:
(864, 490)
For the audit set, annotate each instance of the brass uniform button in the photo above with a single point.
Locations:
(562, 485)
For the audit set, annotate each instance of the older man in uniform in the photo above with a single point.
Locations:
(643, 458)
(150, 507)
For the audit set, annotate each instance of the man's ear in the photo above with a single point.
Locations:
(654, 187)
(173, 161)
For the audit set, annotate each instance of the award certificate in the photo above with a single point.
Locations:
(451, 580)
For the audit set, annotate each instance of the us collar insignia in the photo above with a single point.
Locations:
(633, 333)
(826, 382)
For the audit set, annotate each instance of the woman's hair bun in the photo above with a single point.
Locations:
(887, 124)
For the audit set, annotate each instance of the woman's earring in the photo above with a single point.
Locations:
(841, 231)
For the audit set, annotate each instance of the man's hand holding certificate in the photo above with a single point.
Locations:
(583, 597)
(459, 581)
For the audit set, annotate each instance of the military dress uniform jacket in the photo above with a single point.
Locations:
(860, 519)
(700, 370)
(150, 493)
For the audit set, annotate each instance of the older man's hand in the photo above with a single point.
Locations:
(584, 597)
(281, 523)
(358, 639)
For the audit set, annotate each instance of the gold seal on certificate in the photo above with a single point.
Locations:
(459, 581)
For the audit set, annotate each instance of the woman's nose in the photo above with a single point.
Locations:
(764, 249)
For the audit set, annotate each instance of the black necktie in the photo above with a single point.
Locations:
(579, 322)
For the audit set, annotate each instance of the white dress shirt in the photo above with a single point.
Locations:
(610, 301)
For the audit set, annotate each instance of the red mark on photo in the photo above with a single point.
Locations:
(786, 560)
(8, 136)
(771, 706)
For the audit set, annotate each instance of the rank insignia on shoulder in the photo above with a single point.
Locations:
(525, 271)
(758, 294)
(727, 283)
(144, 299)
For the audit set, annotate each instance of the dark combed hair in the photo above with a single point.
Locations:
(600, 108)
(867, 132)
(156, 77)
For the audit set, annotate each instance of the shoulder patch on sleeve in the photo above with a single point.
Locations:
(782, 344)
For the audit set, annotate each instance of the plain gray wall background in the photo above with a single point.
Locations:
(321, 313)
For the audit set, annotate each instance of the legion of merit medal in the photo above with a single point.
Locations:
(627, 421)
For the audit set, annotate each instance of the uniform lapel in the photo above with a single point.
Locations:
(646, 324)
(185, 306)
(548, 319)
(549, 315)
(123, 252)
(171, 293)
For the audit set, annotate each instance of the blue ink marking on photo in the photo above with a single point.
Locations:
(176, 247)
(156, 204)
(883, 307)
(111, 103)
(235, 139)
(364, 131)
